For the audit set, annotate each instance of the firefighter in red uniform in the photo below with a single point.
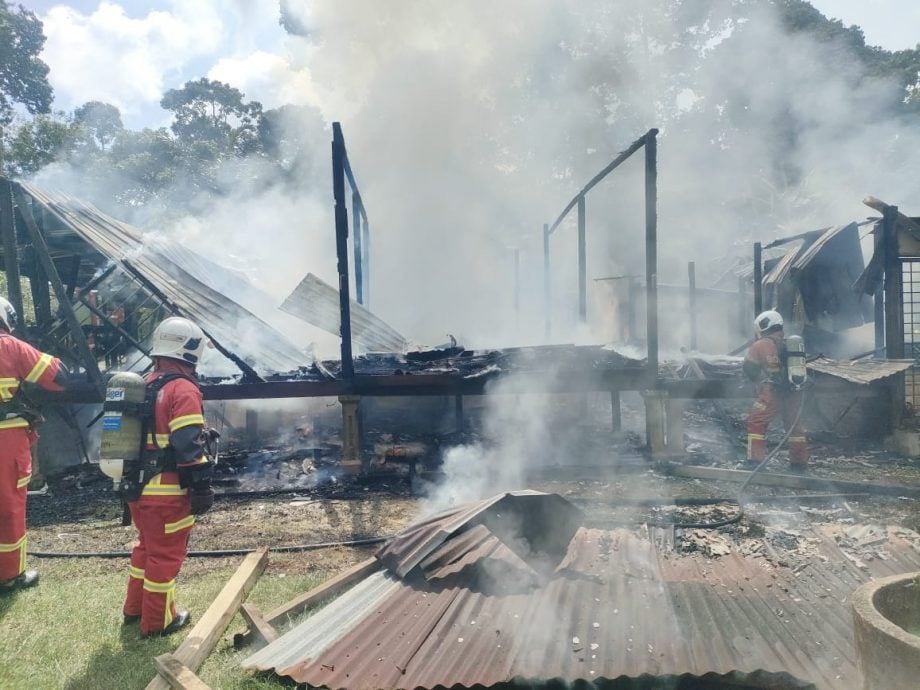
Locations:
(764, 364)
(19, 363)
(165, 510)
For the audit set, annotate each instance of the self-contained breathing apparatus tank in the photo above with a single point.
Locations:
(122, 423)
(796, 368)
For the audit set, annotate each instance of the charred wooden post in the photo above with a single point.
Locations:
(894, 297)
(878, 297)
(517, 288)
(758, 278)
(359, 254)
(655, 426)
(547, 323)
(366, 259)
(674, 425)
(341, 246)
(633, 296)
(41, 297)
(651, 249)
(616, 416)
(10, 249)
(743, 318)
(582, 264)
(351, 433)
(458, 413)
(691, 278)
(64, 305)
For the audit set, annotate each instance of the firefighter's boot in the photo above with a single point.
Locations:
(24, 580)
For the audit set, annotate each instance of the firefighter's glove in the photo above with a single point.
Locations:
(201, 498)
(193, 476)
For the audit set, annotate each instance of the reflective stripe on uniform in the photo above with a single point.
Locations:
(135, 572)
(40, 367)
(19, 546)
(797, 439)
(14, 423)
(159, 587)
(186, 420)
(8, 388)
(158, 440)
(759, 405)
(24, 481)
(173, 527)
(155, 487)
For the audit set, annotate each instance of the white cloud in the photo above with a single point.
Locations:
(266, 77)
(110, 56)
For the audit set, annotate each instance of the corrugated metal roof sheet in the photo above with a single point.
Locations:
(814, 248)
(537, 526)
(181, 274)
(618, 605)
(862, 371)
(318, 304)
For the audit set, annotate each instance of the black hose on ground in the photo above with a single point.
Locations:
(739, 501)
(216, 552)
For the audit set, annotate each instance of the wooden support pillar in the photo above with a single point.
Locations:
(691, 276)
(458, 413)
(351, 433)
(878, 298)
(341, 247)
(547, 323)
(633, 298)
(664, 424)
(10, 249)
(41, 296)
(44, 258)
(651, 250)
(582, 264)
(743, 318)
(616, 416)
(359, 254)
(655, 433)
(252, 425)
(894, 297)
(758, 278)
(674, 411)
(517, 288)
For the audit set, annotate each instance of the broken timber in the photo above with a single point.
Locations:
(314, 596)
(178, 675)
(257, 623)
(792, 481)
(205, 635)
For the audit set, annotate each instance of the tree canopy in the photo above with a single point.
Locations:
(23, 76)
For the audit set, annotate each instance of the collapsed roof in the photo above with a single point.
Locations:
(182, 280)
(620, 604)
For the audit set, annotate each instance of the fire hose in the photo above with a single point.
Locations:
(215, 552)
(739, 500)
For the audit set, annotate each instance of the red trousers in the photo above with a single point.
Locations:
(769, 404)
(15, 473)
(164, 521)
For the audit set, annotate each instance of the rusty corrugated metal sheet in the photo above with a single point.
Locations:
(180, 274)
(537, 526)
(318, 304)
(616, 606)
(862, 371)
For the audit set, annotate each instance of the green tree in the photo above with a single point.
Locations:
(212, 112)
(101, 122)
(23, 76)
(38, 142)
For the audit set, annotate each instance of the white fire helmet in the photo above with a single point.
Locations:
(178, 338)
(7, 315)
(767, 321)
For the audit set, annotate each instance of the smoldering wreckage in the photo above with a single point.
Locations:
(638, 563)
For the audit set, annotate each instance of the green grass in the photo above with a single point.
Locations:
(67, 632)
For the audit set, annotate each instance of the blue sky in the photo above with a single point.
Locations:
(128, 52)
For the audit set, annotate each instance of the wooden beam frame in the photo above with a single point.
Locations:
(10, 248)
(178, 675)
(64, 304)
(324, 591)
(205, 635)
